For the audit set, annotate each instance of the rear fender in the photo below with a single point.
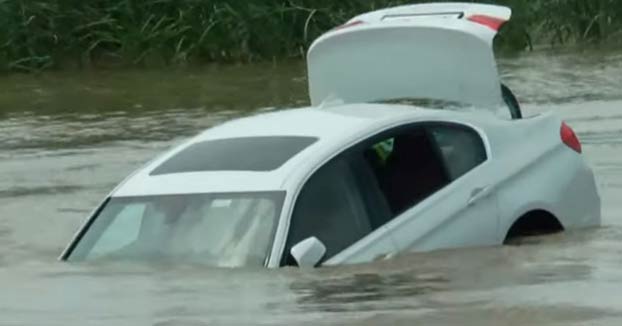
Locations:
(539, 172)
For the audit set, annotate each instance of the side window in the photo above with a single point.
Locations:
(462, 149)
(408, 167)
(330, 208)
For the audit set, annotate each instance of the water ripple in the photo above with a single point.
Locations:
(18, 191)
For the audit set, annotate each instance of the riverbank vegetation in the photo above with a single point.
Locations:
(42, 34)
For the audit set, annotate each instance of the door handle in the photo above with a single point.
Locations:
(478, 194)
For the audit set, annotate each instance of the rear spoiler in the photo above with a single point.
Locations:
(491, 16)
(488, 15)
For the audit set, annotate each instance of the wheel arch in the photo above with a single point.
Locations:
(534, 222)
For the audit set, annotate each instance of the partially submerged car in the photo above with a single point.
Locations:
(357, 177)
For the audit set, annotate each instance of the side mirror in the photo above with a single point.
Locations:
(308, 252)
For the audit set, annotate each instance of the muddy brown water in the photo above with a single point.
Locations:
(67, 138)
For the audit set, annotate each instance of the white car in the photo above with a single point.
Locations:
(357, 177)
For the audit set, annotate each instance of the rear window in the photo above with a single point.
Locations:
(236, 154)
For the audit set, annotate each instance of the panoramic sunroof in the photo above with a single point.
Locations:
(236, 154)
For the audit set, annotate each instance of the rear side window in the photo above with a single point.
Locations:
(462, 149)
(236, 154)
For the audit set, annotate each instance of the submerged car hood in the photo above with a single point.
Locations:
(435, 51)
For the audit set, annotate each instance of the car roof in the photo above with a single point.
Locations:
(309, 121)
(335, 127)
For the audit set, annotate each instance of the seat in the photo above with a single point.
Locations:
(413, 171)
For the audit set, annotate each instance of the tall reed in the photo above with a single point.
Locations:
(42, 34)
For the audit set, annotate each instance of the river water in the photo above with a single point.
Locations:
(66, 139)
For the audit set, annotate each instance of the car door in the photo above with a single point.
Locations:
(455, 204)
(425, 187)
(331, 207)
(415, 187)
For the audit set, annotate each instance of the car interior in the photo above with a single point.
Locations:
(412, 171)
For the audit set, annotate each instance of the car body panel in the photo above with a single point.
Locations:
(443, 220)
(536, 171)
(449, 219)
(198, 182)
(410, 57)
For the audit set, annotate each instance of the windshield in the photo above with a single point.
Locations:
(227, 230)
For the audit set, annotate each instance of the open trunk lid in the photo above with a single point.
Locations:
(440, 51)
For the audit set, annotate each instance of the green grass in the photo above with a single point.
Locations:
(44, 34)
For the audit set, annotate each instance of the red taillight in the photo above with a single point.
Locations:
(570, 138)
(350, 24)
(492, 22)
